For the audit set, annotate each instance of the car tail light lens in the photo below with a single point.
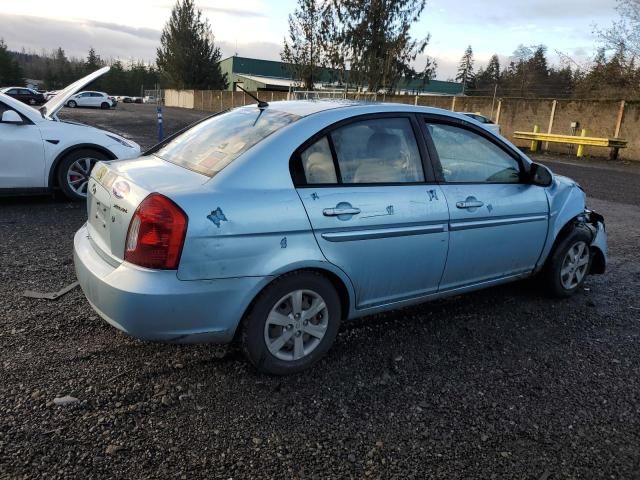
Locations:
(156, 234)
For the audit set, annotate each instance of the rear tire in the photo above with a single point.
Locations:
(74, 171)
(292, 324)
(569, 263)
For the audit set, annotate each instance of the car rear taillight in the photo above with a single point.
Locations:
(156, 234)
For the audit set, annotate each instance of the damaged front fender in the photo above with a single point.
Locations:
(567, 205)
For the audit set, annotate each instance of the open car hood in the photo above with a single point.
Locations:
(53, 106)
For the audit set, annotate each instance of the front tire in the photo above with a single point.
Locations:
(292, 323)
(74, 171)
(72, 104)
(569, 264)
(105, 106)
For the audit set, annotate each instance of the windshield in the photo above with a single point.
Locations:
(210, 146)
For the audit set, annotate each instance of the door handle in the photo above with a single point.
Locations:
(470, 204)
(336, 212)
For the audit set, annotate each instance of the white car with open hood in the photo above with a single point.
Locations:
(39, 152)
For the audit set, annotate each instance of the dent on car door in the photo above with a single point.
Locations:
(498, 220)
(373, 215)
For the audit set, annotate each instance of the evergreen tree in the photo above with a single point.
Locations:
(94, 62)
(188, 56)
(376, 36)
(10, 71)
(304, 50)
(466, 75)
(487, 79)
(493, 69)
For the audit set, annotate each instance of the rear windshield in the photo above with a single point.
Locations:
(213, 144)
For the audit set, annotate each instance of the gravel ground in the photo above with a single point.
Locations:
(504, 383)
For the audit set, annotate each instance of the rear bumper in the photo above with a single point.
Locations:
(155, 305)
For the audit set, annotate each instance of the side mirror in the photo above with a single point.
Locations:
(540, 175)
(10, 116)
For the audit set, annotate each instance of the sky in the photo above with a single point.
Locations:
(130, 29)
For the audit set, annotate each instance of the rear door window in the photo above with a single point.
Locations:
(382, 150)
(213, 144)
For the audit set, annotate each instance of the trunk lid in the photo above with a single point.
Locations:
(117, 188)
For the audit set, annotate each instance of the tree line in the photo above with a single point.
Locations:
(612, 73)
(361, 44)
(56, 71)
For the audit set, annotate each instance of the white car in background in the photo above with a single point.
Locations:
(91, 99)
(486, 122)
(39, 152)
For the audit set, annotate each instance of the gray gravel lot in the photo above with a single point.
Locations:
(504, 383)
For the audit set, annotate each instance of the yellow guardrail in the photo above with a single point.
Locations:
(614, 143)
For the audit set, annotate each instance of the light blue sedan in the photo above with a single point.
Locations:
(270, 225)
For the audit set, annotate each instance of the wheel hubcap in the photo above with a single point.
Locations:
(78, 175)
(296, 325)
(574, 265)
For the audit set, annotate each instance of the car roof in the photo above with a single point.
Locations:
(305, 108)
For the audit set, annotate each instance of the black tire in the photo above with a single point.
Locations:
(252, 337)
(105, 106)
(552, 273)
(66, 163)
(72, 104)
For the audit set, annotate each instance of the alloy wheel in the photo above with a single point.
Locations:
(296, 325)
(574, 265)
(78, 175)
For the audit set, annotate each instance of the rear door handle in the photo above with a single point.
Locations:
(336, 212)
(470, 204)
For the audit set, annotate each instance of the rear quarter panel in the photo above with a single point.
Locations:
(245, 232)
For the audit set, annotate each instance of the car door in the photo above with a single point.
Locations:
(498, 220)
(22, 95)
(83, 99)
(96, 99)
(375, 210)
(21, 154)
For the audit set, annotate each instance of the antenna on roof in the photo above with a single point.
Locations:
(261, 103)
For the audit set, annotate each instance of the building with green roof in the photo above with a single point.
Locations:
(254, 74)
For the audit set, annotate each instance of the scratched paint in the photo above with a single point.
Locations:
(433, 195)
(217, 216)
(315, 196)
(283, 242)
(390, 209)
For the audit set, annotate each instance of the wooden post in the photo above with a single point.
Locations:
(221, 93)
(534, 143)
(551, 118)
(498, 112)
(272, 95)
(453, 104)
(616, 133)
(580, 153)
(232, 103)
(415, 100)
